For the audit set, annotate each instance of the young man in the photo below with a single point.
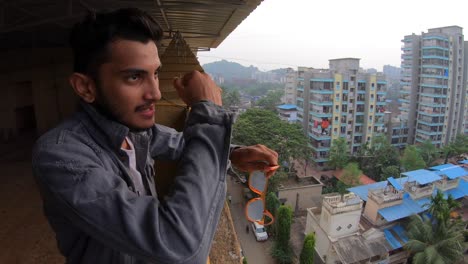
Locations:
(95, 170)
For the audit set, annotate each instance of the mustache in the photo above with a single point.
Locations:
(144, 106)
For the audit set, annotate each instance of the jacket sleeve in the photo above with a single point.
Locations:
(177, 230)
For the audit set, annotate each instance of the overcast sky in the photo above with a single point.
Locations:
(291, 33)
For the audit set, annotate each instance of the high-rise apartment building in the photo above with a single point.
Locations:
(290, 87)
(340, 102)
(434, 85)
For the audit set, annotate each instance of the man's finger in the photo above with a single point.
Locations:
(177, 83)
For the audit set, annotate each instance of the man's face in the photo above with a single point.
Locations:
(128, 84)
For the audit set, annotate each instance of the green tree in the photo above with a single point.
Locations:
(271, 100)
(308, 250)
(259, 126)
(374, 157)
(437, 240)
(440, 208)
(429, 153)
(457, 147)
(339, 156)
(272, 205)
(390, 171)
(411, 159)
(351, 174)
(231, 98)
(282, 251)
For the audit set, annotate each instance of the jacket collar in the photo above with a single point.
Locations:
(114, 132)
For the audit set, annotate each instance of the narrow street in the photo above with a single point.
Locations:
(255, 252)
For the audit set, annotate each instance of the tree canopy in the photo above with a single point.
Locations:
(259, 126)
(429, 153)
(271, 100)
(282, 251)
(351, 174)
(438, 239)
(308, 250)
(231, 98)
(375, 157)
(411, 159)
(339, 155)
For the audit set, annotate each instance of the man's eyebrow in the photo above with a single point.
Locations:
(133, 70)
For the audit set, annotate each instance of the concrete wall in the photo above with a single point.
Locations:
(309, 196)
(35, 90)
(338, 225)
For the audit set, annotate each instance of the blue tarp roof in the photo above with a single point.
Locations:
(287, 107)
(396, 236)
(362, 190)
(450, 170)
(460, 191)
(392, 240)
(406, 208)
(394, 183)
(401, 233)
(409, 207)
(442, 167)
(422, 176)
(454, 172)
(463, 162)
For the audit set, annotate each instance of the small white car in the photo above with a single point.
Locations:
(259, 232)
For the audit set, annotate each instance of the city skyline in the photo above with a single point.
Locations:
(280, 34)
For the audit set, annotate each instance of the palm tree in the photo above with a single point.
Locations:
(440, 208)
(433, 243)
(438, 240)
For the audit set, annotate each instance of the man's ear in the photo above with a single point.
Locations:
(83, 86)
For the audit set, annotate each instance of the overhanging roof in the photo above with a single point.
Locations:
(203, 23)
(422, 176)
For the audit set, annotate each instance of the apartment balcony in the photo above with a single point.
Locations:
(321, 113)
(318, 100)
(446, 184)
(431, 112)
(351, 95)
(316, 134)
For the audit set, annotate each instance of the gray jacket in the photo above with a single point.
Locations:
(89, 196)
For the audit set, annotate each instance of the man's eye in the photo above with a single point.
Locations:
(156, 73)
(134, 77)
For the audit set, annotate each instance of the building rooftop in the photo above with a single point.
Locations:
(450, 170)
(364, 179)
(287, 107)
(357, 248)
(409, 206)
(422, 176)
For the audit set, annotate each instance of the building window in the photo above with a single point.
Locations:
(338, 228)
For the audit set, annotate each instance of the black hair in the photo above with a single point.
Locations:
(91, 37)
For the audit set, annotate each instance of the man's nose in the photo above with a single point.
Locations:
(152, 91)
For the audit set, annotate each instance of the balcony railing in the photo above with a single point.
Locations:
(446, 184)
(380, 196)
(418, 191)
(341, 207)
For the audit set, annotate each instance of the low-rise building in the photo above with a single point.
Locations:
(288, 113)
(343, 236)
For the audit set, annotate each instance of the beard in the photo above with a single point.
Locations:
(111, 110)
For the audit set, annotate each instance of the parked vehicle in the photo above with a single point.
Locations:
(259, 232)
